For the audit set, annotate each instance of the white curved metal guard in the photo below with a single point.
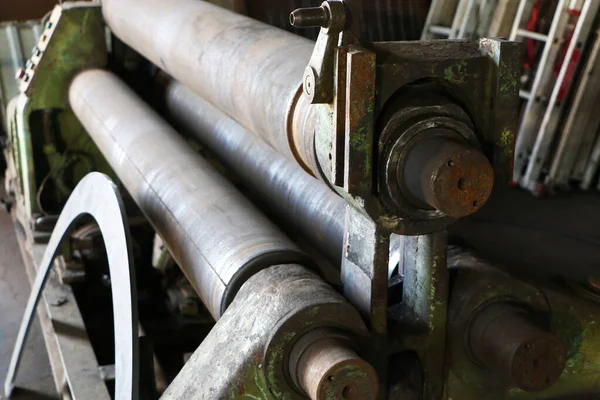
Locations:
(96, 195)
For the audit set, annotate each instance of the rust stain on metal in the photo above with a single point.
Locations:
(462, 184)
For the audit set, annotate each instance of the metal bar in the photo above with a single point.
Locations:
(259, 84)
(518, 18)
(213, 232)
(532, 35)
(425, 298)
(440, 30)
(528, 123)
(503, 16)
(97, 196)
(524, 94)
(547, 130)
(459, 15)
(314, 210)
(466, 19)
(581, 125)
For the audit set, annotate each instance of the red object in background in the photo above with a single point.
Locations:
(530, 58)
(572, 62)
(531, 24)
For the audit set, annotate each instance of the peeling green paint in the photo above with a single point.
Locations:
(509, 78)
(457, 72)
(360, 142)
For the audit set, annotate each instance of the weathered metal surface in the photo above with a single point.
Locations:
(418, 323)
(448, 175)
(245, 356)
(423, 129)
(97, 196)
(318, 80)
(324, 365)
(474, 74)
(213, 232)
(365, 268)
(72, 39)
(312, 208)
(359, 123)
(503, 339)
(189, 39)
(570, 315)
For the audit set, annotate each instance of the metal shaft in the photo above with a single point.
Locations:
(449, 176)
(504, 340)
(214, 233)
(249, 70)
(324, 366)
(279, 308)
(301, 200)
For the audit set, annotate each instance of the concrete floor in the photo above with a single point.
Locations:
(34, 380)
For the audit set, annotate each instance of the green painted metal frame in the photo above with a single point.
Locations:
(73, 39)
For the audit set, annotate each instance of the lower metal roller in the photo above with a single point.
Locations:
(214, 233)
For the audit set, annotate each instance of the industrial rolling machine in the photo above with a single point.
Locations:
(225, 210)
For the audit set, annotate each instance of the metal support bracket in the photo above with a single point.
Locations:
(318, 80)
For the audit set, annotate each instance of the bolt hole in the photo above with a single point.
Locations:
(475, 203)
(330, 157)
(450, 163)
(330, 378)
(347, 392)
(462, 184)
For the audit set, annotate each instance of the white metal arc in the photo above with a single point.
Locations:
(95, 195)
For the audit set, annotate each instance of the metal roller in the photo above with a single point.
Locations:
(301, 200)
(217, 237)
(260, 84)
(304, 342)
(253, 72)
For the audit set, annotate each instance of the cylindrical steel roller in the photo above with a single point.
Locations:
(250, 70)
(214, 233)
(301, 200)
